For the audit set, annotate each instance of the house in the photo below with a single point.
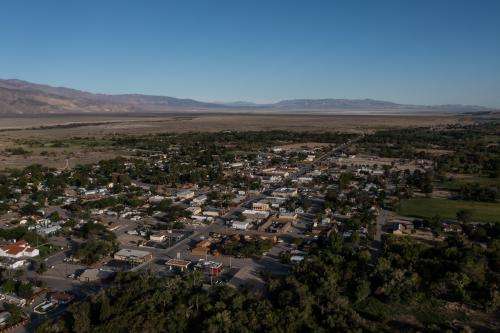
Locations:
(61, 297)
(135, 256)
(48, 230)
(201, 248)
(13, 299)
(285, 192)
(200, 200)
(158, 237)
(18, 250)
(241, 225)
(184, 194)
(213, 212)
(284, 215)
(12, 263)
(260, 206)
(296, 259)
(4, 316)
(156, 199)
(195, 210)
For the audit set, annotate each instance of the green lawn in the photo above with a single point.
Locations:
(456, 183)
(46, 250)
(429, 207)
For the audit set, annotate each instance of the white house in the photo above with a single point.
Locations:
(241, 225)
(18, 249)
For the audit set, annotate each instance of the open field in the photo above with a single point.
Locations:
(460, 180)
(430, 207)
(16, 130)
(134, 124)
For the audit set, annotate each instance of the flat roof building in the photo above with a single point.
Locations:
(136, 256)
(183, 265)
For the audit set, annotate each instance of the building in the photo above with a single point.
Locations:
(159, 237)
(257, 214)
(135, 256)
(200, 200)
(18, 249)
(4, 316)
(48, 230)
(12, 263)
(13, 299)
(260, 206)
(156, 199)
(241, 225)
(183, 265)
(195, 210)
(285, 192)
(184, 194)
(212, 268)
(213, 212)
(201, 248)
(287, 215)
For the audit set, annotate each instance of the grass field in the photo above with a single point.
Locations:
(430, 207)
(456, 183)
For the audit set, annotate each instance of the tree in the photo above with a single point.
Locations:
(42, 268)
(464, 216)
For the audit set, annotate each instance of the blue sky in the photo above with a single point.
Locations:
(421, 52)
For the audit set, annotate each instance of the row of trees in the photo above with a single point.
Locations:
(339, 287)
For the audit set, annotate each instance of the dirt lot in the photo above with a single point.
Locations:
(58, 127)
(93, 125)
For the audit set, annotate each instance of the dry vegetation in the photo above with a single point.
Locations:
(57, 127)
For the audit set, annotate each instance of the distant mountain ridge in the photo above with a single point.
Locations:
(22, 97)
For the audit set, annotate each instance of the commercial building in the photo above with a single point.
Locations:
(135, 256)
(183, 265)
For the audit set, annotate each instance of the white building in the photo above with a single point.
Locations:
(18, 249)
(241, 225)
(250, 213)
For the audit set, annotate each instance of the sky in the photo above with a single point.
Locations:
(407, 51)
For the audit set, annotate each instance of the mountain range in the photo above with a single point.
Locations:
(22, 97)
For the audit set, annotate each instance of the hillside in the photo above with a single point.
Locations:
(21, 97)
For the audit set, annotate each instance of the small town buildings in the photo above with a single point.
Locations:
(135, 256)
(256, 214)
(285, 192)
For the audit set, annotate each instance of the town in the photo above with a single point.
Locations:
(233, 209)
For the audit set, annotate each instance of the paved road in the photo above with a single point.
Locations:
(376, 244)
